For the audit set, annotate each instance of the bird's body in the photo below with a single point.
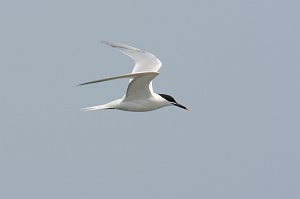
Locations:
(137, 105)
(139, 96)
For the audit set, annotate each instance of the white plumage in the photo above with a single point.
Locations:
(139, 95)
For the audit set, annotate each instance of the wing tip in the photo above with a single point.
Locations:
(120, 45)
(80, 84)
(110, 43)
(105, 42)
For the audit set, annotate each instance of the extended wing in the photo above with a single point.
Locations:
(144, 61)
(134, 75)
(140, 87)
(144, 71)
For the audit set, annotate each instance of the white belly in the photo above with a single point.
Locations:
(141, 105)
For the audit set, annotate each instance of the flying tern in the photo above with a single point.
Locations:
(139, 96)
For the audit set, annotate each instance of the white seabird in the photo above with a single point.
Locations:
(139, 96)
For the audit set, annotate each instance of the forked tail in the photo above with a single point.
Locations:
(95, 108)
(111, 105)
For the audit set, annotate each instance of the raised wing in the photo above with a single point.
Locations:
(144, 61)
(140, 86)
(134, 75)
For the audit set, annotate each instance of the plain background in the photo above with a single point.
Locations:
(235, 64)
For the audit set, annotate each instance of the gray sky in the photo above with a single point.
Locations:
(235, 64)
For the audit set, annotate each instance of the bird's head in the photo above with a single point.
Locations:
(172, 101)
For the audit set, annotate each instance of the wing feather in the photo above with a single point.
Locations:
(132, 75)
(140, 87)
(144, 61)
(144, 71)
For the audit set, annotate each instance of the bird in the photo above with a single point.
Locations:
(139, 96)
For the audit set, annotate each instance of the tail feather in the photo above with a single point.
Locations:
(95, 108)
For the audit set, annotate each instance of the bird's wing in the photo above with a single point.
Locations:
(133, 76)
(140, 87)
(144, 61)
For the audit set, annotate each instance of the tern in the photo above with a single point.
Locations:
(139, 96)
